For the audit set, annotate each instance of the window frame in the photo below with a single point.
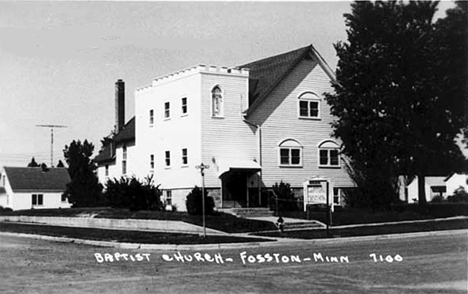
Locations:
(309, 98)
(168, 198)
(184, 106)
(326, 146)
(185, 159)
(151, 117)
(37, 200)
(167, 110)
(220, 114)
(124, 159)
(167, 158)
(151, 162)
(290, 145)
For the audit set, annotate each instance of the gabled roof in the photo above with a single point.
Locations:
(34, 179)
(266, 74)
(126, 134)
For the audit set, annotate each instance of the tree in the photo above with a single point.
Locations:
(84, 189)
(194, 202)
(33, 163)
(60, 164)
(393, 114)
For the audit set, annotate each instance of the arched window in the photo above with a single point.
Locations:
(329, 154)
(217, 102)
(290, 153)
(309, 105)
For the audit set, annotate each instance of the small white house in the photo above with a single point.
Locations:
(455, 181)
(33, 187)
(434, 186)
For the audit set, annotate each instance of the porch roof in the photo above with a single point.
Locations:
(226, 164)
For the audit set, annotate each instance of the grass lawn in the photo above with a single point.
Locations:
(373, 230)
(397, 213)
(144, 237)
(219, 221)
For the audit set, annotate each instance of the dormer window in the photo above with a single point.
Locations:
(217, 102)
(309, 106)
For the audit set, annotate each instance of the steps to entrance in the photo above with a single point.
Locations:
(248, 212)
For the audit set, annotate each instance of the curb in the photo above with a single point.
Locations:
(272, 243)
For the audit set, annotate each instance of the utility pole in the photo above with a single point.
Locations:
(202, 168)
(51, 140)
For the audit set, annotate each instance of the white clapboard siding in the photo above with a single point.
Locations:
(229, 136)
(278, 117)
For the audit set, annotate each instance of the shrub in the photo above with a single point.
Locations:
(132, 194)
(285, 195)
(460, 195)
(5, 209)
(194, 202)
(437, 199)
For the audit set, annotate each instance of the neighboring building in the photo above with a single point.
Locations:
(434, 186)
(254, 125)
(33, 187)
(455, 181)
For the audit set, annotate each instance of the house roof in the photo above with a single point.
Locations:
(126, 134)
(266, 74)
(34, 179)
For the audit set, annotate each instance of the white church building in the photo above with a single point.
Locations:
(254, 125)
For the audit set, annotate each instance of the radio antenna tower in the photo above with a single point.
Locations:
(51, 140)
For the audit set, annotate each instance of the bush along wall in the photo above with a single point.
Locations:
(194, 202)
(133, 194)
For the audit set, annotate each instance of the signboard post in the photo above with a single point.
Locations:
(202, 168)
(317, 191)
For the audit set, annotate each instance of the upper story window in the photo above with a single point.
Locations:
(184, 156)
(167, 110)
(151, 117)
(309, 106)
(329, 154)
(217, 102)
(184, 106)
(107, 170)
(290, 153)
(152, 161)
(168, 158)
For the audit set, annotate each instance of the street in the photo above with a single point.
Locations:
(424, 264)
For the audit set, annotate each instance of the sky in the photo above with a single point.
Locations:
(59, 61)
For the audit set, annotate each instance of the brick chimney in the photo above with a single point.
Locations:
(119, 105)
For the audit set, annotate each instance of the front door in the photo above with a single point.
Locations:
(235, 189)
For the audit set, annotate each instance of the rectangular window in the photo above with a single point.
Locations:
(336, 196)
(124, 167)
(309, 109)
(151, 117)
(184, 156)
(167, 110)
(37, 199)
(107, 170)
(168, 158)
(124, 160)
(290, 156)
(168, 197)
(152, 161)
(329, 157)
(184, 105)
